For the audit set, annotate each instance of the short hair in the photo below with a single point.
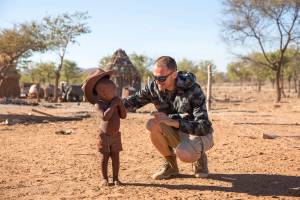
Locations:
(167, 61)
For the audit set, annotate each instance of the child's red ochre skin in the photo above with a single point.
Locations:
(110, 109)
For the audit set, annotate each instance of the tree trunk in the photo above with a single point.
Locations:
(209, 82)
(289, 83)
(259, 86)
(278, 89)
(295, 81)
(57, 77)
(256, 86)
(273, 84)
(282, 85)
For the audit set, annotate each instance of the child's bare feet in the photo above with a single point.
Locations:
(104, 182)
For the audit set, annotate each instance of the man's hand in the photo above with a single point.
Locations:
(163, 118)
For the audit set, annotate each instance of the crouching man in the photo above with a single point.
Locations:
(180, 127)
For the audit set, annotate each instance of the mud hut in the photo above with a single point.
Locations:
(126, 75)
(9, 78)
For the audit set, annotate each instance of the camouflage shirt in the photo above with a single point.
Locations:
(186, 103)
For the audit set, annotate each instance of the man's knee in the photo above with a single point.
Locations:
(152, 125)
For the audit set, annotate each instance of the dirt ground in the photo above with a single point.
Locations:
(37, 163)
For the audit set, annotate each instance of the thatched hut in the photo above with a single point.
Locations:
(126, 75)
(9, 78)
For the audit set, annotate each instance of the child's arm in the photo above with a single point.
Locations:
(105, 114)
(122, 110)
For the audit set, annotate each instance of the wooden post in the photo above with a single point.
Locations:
(209, 80)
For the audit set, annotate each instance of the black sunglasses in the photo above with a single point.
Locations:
(162, 78)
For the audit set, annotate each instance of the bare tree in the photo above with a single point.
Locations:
(269, 25)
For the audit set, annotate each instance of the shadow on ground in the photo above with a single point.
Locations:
(20, 119)
(252, 184)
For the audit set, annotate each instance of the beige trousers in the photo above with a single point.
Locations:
(197, 143)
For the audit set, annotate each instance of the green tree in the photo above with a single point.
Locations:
(46, 72)
(220, 77)
(270, 75)
(83, 76)
(201, 73)
(200, 69)
(257, 71)
(270, 25)
(103, 63)
(292, 67)
(187, 65)
(142, 63)
(22, 40)
(43, 72)
(17, 44)
(71, 73)
(237, 71)
(62, 31)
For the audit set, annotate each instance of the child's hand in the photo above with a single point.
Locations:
(116, 101)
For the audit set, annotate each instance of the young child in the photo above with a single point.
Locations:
(101, 91)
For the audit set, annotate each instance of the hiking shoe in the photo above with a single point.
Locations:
(168, 170)
(201, 167)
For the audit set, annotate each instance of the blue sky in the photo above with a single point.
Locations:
(182, 29)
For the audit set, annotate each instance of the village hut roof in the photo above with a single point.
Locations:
(121, 63)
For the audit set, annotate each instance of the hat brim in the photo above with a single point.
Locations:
(90, 83)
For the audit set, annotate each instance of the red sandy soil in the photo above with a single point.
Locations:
(36, 163)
